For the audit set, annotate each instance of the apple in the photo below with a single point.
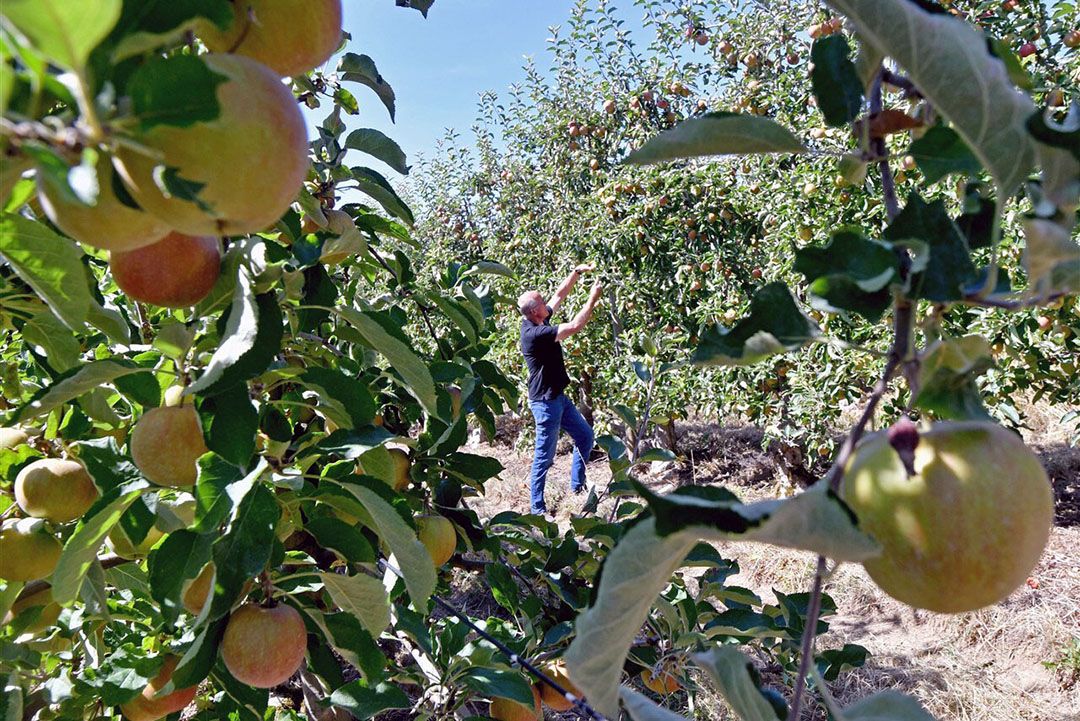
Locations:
(12, 437)
(966, 528)
(166, 443)
(557, 672)
(56, 489)
(504, 709)
(150, 706)
(251, 159)
(108, 223)
(289, 36)
(177, 271)
(264, 646)
(438, 536)
(660, 682)
(27, 551)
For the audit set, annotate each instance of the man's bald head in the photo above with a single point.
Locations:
(530, 302)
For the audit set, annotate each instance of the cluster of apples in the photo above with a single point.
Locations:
(248, 163)
(505, 709)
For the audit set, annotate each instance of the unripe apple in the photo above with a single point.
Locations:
(149, 706)
(12, 437)
(594, 164)
(553, 699)
(27, 551)
(122, 545)
(609, 107)
(175, 272)
(1072, 39)
(402, 464)
(56, 489)
(197, 591)
(805, 233)
(725, 47)
(504, 709)
(289, 36)
(438, 536)
(166, 443)
(966, 529)
(48, 610)
(251, 159)
(264, 647)
(108, 224)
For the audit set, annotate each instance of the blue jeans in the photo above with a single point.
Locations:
(551, 416)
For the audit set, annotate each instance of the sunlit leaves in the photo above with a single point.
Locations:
(948, 375)
(850, 273)
(717, 134)
(940, 152)
(949, 62)
(65, 31)
(774, 325)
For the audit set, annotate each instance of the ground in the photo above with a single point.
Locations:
(990, 665)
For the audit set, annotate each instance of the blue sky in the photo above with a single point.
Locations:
(438, 66)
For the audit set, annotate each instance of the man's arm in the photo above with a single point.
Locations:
(565, 330)
(567, 285)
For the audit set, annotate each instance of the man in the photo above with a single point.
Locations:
(541, 346)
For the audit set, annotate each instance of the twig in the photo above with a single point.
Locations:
(582, 708)
(903, 324)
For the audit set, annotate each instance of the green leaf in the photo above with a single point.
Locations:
(1051, 257)
(361, 596)
(641, 564)
(717, 134)
(348, 637)
(364, 701)
(454, 311)
(219, 487)
(949, 62)
(61, 347)
(244, 549)
(379, 146)
(941, 152)
(836, 83)
(151, 24)
(730, 671)
(180, 556)
(836, 660)
(887, 706)
(241, 701)
(641, 708)
(371, 183)
(775, 325)
(948, 378)
(489, 267)
(422, 5)
(233, 424)
(74, 383)
(949, 267)
(50, 264)
(361, 69)
(850, 273)
(177, 90)
(402, 358)
(409, 554)
(199, 658)
(65, 31)
(498, 682)
(343, 399)
(345, 540)
(81, 548)
(251, 340)
(352, 443)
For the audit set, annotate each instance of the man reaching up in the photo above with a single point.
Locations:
(541, 344)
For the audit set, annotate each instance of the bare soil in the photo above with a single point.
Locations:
(983, 666)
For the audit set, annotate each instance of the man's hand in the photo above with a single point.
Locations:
(594, 294)
(585, 268)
